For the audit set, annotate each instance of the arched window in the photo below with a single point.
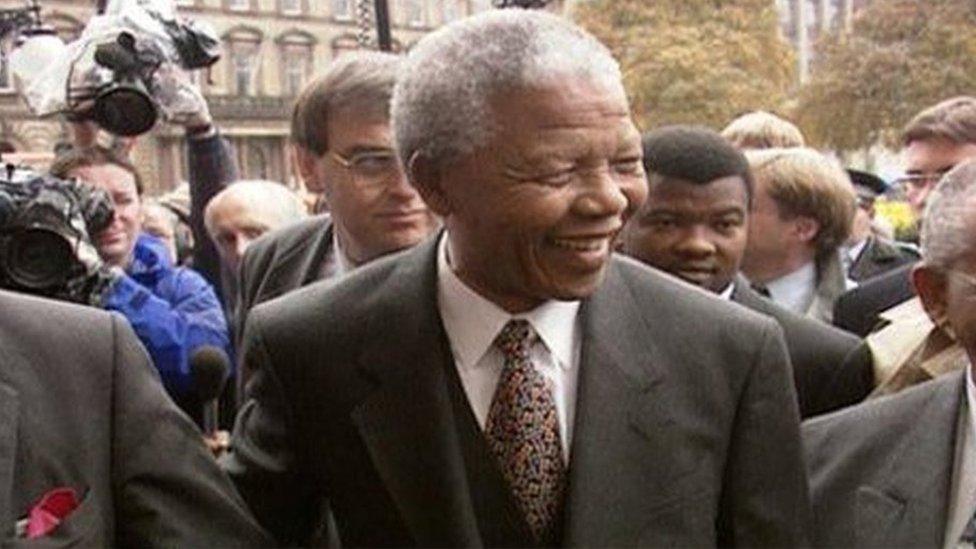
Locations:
(296, 50)
(243, 48)
(344, 43)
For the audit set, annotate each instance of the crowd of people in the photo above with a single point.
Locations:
(507, 318)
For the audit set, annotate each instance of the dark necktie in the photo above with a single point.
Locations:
(523, 433)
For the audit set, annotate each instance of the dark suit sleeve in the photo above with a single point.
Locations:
(764, 497)
(167, 488)
(850, 383)
(210, 168)
(263, 462)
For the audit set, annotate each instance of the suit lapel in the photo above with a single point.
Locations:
(407, 423)
(911, 503)
(9, 411)
(746, 296)
(621, 429)
(302, 264)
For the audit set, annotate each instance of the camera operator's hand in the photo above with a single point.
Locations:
(84, 133)
(181, 99)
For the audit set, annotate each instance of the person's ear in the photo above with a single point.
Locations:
(307, 161)
(930, 285)
(428, 179)
(806, 228)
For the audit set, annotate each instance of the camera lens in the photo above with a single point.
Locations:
(124, 110)
(38, 259)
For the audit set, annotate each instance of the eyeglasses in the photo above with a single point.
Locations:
(371, 167)
(919, 181)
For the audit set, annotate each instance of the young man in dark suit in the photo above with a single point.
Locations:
(86, 427)
(341, 131)
(511, 382)
(694, 226)
(938, 138)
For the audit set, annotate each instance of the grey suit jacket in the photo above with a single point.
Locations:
(831, 368)
(686, 428)
(82, 407)
(880, 472)
(281, 261)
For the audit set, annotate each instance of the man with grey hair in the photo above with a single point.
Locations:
(340, 129)
(244, 211)
(901, 471)
(513, 383)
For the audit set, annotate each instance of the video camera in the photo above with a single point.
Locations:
(45, 227)
(128, 68)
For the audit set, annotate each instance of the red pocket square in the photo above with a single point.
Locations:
(50, 511)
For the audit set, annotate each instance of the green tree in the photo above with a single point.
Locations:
(694, 61)
(901, 56)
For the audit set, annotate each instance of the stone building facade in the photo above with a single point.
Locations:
(270, 49)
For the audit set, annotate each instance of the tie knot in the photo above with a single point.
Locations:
(516, 339)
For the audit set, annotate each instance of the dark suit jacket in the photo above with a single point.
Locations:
(685, 431)
(82, 407)
(857, 309)
(880, 473)
(831, 368)
(878, 257)
(281, 261)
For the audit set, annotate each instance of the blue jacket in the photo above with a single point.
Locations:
(173, 310)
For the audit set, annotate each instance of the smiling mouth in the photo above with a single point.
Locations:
(401, 214)
(695, 274)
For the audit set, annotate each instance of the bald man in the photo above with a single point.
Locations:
(244, 211)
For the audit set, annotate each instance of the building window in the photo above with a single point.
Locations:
(6, 78)
(243, 73)
(450, 10)
(291, 7)
(185, 3)
(239, 5)
(415, 13)
(342, 9)
(297, 62)
(343, 44)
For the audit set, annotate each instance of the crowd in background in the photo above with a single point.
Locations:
(674, 303)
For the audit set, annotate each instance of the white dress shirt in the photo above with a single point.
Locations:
(726, 294)
(795, 290)
(963, 499)
(472, 323)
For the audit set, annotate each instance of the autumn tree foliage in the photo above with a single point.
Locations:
(900, 57)
(694, 61)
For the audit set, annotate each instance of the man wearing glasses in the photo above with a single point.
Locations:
(901, 471)
(936, 140)
(341, 130)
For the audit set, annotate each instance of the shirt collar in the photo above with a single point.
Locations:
(726, 294)
(472, 322)
(854, 251)
(342, 263)
(795, 290)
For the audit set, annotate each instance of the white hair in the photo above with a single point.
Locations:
(259, 194)
(944, 237)
(440, 105)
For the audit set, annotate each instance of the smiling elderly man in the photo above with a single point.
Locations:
(512, 383)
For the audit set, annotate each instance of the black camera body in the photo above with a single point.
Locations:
(43, 223)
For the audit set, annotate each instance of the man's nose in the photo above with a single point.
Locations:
(602, 195)
(695, 242)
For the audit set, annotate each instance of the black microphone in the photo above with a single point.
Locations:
(209, 367)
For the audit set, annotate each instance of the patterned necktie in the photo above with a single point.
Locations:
(523, 433)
